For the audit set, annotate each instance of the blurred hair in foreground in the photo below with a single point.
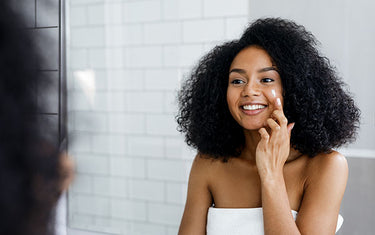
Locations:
(31, 173)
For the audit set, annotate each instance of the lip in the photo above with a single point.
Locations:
(252, 103)
(252, 112)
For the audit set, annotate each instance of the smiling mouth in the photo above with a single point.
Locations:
(253, 107)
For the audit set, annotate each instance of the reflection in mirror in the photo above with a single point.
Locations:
(126, 61)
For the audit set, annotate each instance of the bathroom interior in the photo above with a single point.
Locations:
(116, 67)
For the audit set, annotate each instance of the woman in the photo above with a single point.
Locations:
(264, 113)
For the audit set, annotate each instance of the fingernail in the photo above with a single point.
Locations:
(293, 125)
(278, 101)
(273, 93)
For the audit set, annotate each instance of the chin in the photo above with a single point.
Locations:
(252, 127)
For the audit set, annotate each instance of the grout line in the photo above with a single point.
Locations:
(52, 114)
(47, 70)
(47, 27)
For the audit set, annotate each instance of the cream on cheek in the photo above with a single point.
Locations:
(274, 94)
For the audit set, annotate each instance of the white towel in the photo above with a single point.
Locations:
(239, 221)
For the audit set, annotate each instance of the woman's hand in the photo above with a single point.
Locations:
(273, 148)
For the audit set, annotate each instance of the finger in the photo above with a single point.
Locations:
(290, 127)
(264, 135)
(273, 124)
(277, 101)
(280, 117)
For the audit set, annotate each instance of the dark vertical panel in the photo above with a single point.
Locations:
(27, 8)
(49, 99)
(49, 47)
(48, 30)
(51, 123)
(47, 13)
(62, 82)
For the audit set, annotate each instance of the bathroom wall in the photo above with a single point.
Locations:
(346, 34)
(125, 63)
(43, 21)
(126, 60)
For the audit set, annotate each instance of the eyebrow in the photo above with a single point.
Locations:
(266, 69)
(241, 71)
(262, 70)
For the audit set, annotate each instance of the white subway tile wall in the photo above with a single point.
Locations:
(126, 61)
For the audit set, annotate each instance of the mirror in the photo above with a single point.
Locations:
(126, 60)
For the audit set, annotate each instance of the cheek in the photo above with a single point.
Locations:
(271, 93)
(277, 91)
(229, 97)
(231, 100)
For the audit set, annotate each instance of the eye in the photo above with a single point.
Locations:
(267, 80)
(237, 81)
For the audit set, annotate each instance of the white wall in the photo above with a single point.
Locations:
(347, 35)
(126, 61)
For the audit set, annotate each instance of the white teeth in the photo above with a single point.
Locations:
(253, 107)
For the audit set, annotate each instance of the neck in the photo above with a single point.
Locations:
(252, 138)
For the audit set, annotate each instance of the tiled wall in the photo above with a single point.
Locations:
(126, 60)
(43, 22)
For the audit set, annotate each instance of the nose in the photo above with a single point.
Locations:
(251, 89)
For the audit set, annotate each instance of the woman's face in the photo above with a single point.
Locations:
(254, 84)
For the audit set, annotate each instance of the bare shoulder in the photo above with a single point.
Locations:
(202, 160)
(327, 174)
(203, 166)
(198, 199)
(201, 163)
(332, 164)
(330, 160)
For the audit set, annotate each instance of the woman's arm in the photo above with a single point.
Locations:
(323, 192)
(198, 199)
(271, 155)
(320, 206)
(277, 215)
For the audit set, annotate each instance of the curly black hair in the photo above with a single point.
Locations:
(29, 163)
(315, 98)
